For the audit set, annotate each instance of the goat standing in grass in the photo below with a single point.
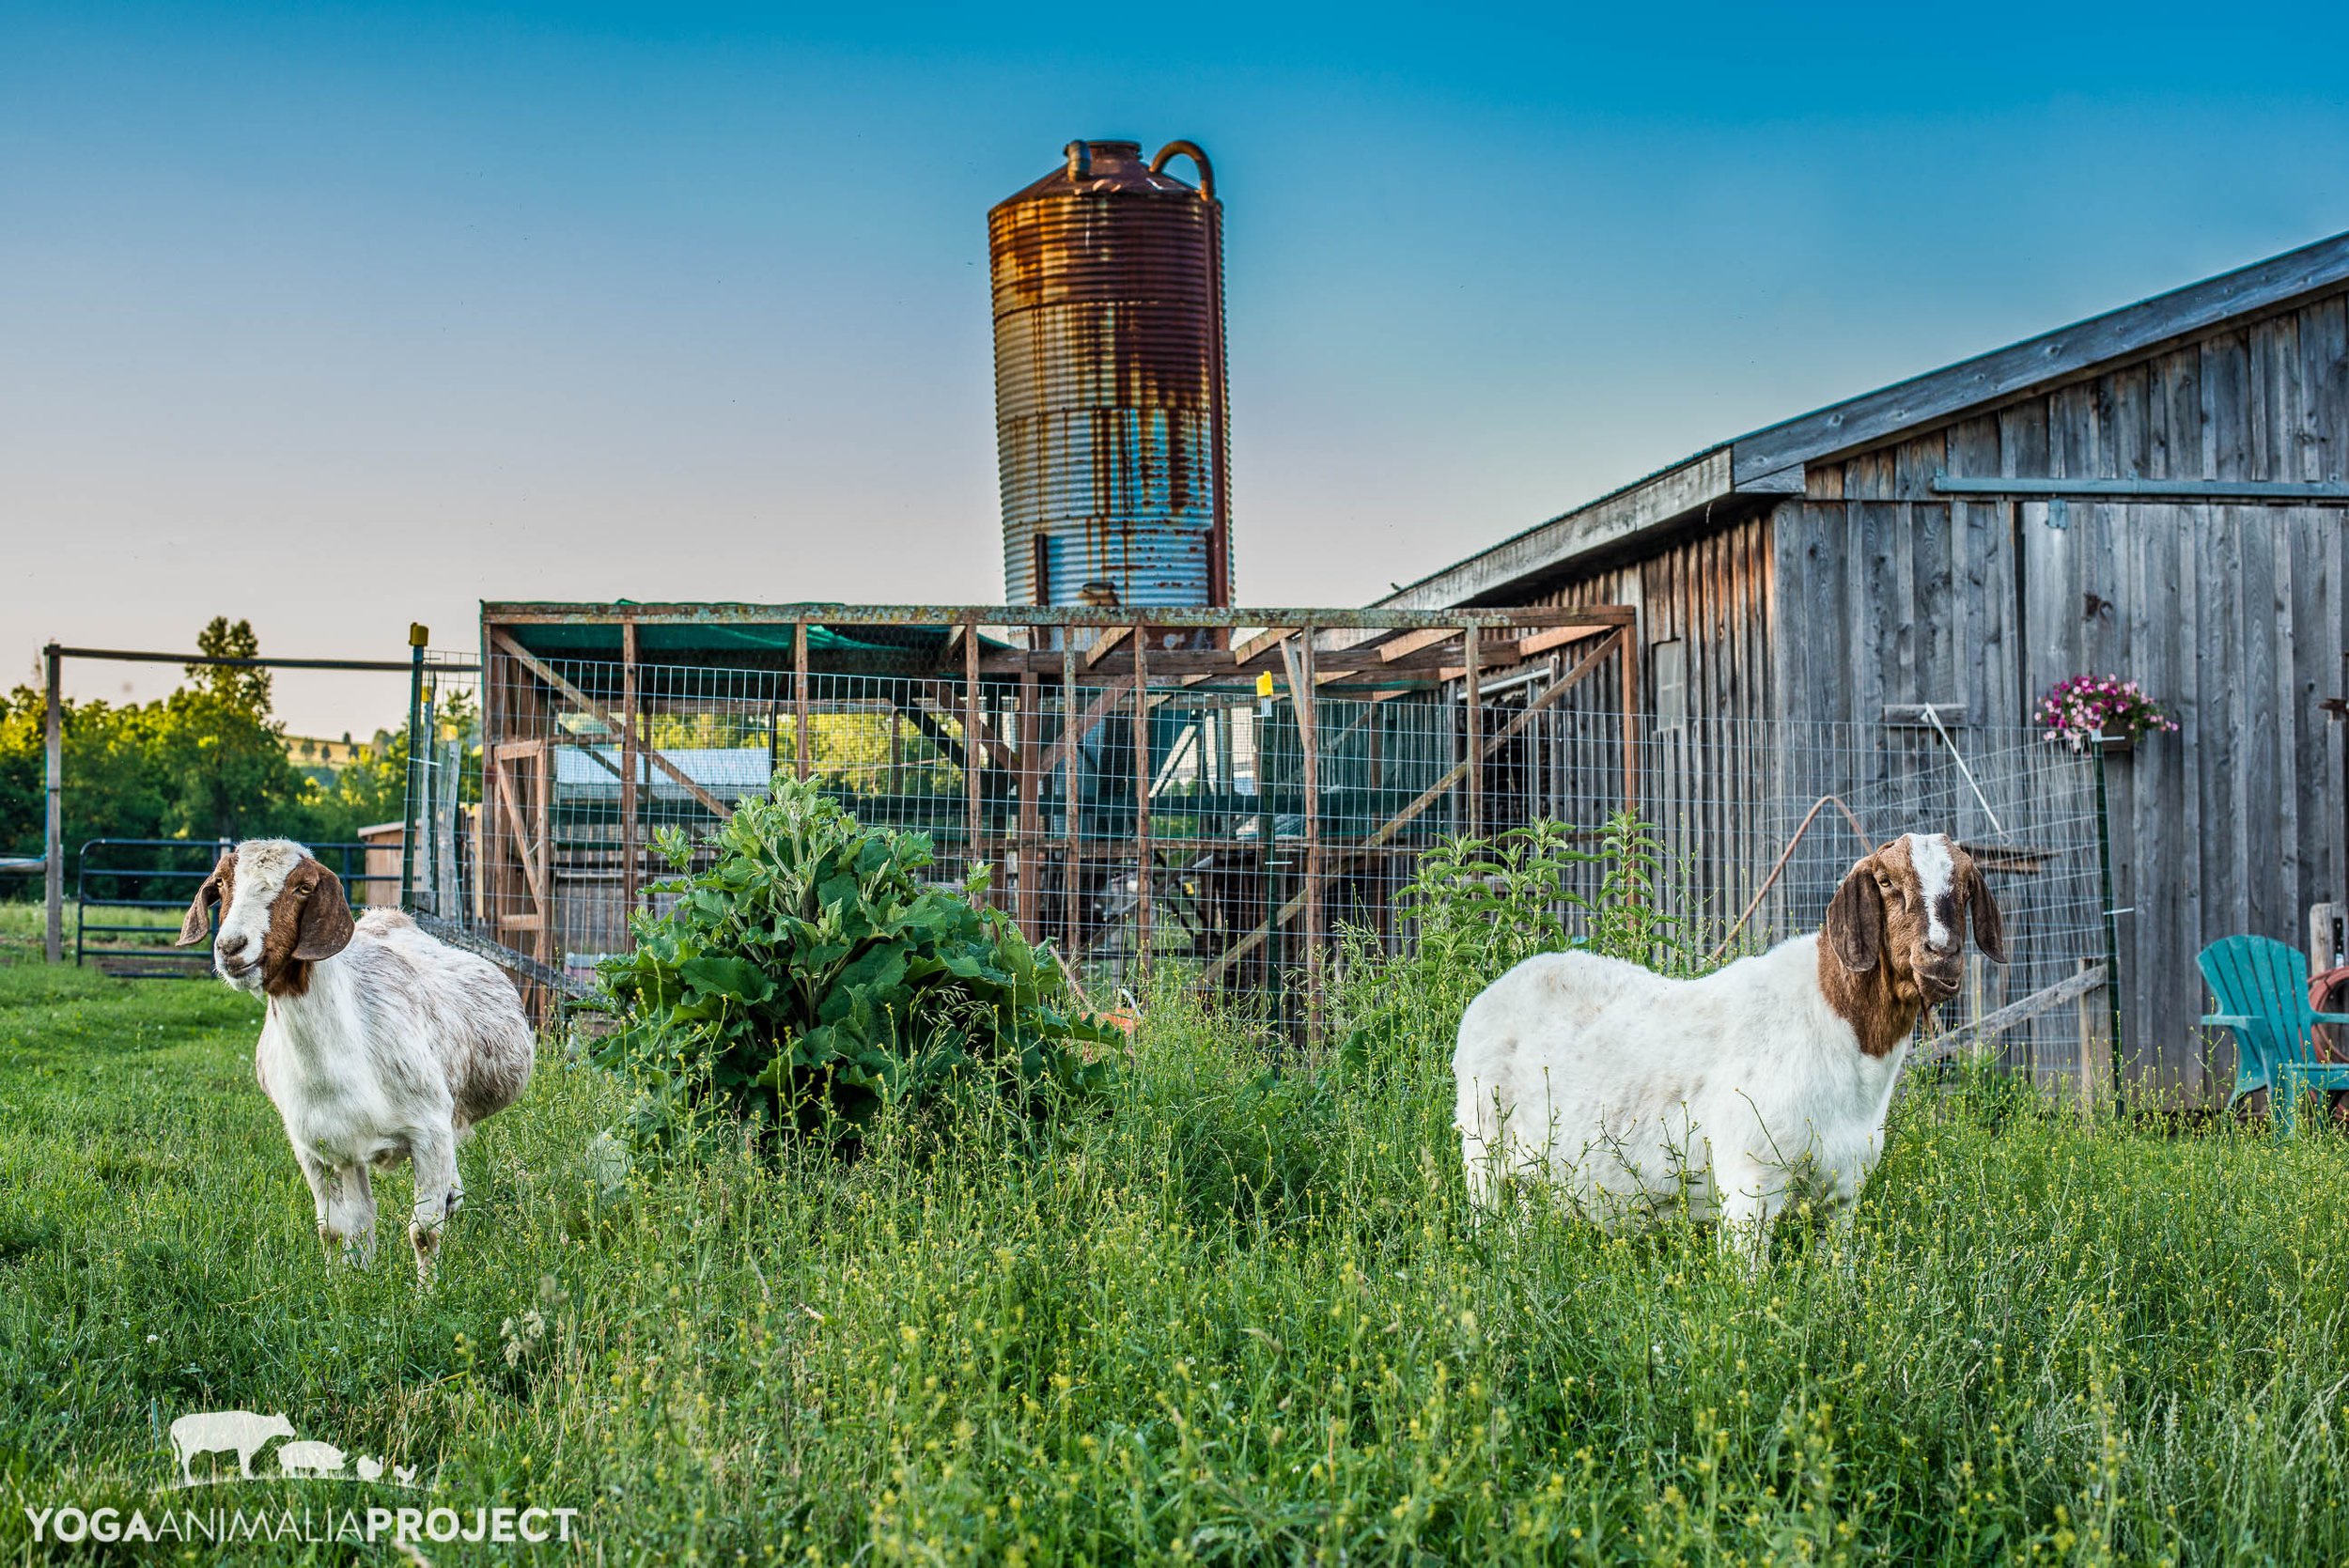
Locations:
(1761, 1084)
(381, 1044)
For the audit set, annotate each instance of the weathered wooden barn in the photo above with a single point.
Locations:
(2157, 492)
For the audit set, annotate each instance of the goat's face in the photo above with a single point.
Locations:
(280, 911)
(1905, 907)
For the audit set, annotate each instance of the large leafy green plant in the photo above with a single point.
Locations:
(808, 974)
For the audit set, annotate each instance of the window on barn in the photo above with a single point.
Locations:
(1669, 660)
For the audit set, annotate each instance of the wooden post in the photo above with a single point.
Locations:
(971, 750)
(798, 698)
(2095, 1009)
(1071, 750)
(896, 753)
(1307, 726)
(544, 888)
(2324, 937)
(1627, 640)
(1142, 799)
(53, 835)
(1031, 786)
(631, 873)
(1470, 649)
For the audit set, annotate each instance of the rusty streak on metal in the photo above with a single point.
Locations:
(1111, 427)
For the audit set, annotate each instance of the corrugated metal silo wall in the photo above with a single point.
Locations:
(1109, 386)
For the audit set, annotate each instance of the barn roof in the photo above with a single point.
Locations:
(1769, 461)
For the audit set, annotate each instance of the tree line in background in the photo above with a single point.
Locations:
(208, 762)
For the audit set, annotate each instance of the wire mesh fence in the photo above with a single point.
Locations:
(1222, 827)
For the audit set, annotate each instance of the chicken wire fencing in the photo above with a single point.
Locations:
(1252, 833)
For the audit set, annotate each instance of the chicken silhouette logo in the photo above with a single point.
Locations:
(213, 1433)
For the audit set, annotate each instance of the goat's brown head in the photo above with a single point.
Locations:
(280, 912)
(1902, 912)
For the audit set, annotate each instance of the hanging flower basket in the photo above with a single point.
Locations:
(2101, 710)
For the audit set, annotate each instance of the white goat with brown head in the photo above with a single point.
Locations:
(1761, 1084)
(380, 1045)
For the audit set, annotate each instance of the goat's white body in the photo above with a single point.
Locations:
(1735, 1095)
(392, 1049)
(398, 1039)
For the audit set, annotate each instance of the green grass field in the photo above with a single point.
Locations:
(1238, 1316)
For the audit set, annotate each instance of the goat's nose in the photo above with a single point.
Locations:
(229, 946)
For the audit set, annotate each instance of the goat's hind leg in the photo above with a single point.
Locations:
(438, 1193)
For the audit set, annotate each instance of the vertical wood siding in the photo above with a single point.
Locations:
(1870, 590)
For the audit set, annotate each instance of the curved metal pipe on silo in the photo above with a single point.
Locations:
(1110, 422)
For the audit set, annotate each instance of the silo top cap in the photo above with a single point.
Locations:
(1110, 168)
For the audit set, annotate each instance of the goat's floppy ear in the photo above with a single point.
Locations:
(197, 923)
(326, 925)
(1854, 919)
(1989, 925)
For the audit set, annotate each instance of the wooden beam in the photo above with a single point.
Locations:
(1106, 697)
(1975, 1037)
(1066, 749)
(1031, 834)
(1308, 732)
(932, 695)
(1475, 703)
(972, 811)
(611, 725)
(1646, 507)
(1263, 643)
(1556, 637)
(1412, 642)
(1426, 798)
(1104, 643)
(1939, 396)
(1630, 645)
(799, 700)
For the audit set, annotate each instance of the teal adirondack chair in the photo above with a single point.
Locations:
(2261, 990)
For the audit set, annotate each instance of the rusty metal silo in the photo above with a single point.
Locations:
(1110, 420)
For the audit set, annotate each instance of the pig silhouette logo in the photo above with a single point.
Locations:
(315, 1460)
(239, 1432)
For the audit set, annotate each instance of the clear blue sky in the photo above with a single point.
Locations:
(338, 317)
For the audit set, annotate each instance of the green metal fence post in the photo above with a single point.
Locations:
(417, 636)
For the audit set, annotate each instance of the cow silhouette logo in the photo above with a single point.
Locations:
(246, 1433)
(221, 1431)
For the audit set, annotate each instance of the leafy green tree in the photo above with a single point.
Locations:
(207, 762)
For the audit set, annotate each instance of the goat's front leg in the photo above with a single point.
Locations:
(325, 1187)
(1749, 1202)
(434, 1150)
(348, 1216)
